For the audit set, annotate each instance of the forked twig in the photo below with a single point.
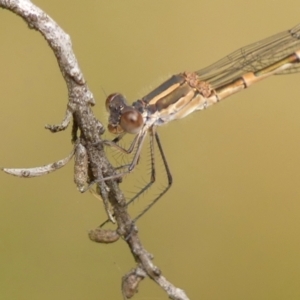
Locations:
(90, 160)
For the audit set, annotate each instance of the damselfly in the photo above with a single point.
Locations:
(190, 91)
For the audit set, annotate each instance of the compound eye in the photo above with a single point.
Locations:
(131, 120)
(115, 102)
(109, 99)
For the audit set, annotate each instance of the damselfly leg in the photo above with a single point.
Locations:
(153, 135)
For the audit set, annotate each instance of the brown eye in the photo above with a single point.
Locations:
(109, 99)
(131, 120)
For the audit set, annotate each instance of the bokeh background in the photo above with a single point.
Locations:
(228, 229)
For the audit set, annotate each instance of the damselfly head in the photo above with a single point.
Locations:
(122, 117)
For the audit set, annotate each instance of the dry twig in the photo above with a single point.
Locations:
(86, 133)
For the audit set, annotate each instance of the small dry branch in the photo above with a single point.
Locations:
(91, 162)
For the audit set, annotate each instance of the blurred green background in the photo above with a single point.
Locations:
(228, 229)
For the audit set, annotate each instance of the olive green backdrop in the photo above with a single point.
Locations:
(228, 229)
